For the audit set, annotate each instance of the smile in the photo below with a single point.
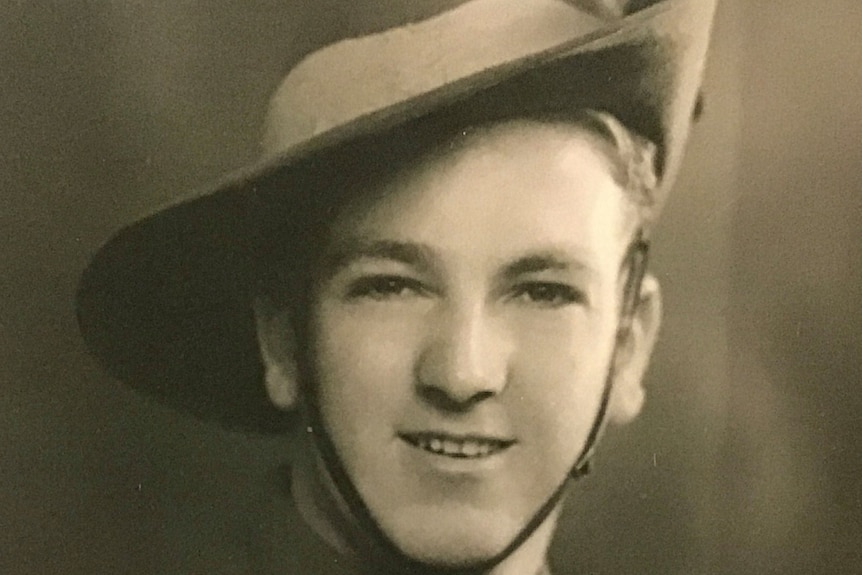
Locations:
(460, 447)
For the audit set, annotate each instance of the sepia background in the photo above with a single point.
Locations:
(745, 459)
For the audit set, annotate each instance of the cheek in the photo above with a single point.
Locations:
(558, 377)
(363, 370)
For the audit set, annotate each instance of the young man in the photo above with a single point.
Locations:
(438, 269)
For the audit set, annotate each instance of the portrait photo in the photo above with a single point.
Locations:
(433, 287)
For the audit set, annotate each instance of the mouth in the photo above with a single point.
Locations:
(457, 446)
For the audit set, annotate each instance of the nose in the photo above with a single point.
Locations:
(465, 360)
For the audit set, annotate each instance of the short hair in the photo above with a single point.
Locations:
(633, 159)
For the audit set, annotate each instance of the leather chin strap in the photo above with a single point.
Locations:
(382, 555)
(634, 266)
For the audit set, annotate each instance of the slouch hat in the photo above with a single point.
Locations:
(164, 304)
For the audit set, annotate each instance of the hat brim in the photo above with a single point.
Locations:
(165, 304)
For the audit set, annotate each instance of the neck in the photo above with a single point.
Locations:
(325, 511)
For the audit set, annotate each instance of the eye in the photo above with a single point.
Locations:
(548, 294)
(383, 287)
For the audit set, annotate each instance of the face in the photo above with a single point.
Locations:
(463, 329)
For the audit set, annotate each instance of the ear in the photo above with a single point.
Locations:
(278, 351)
(633, 354)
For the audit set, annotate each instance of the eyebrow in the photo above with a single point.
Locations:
(545, 260)
(424, 258)
(353, 249)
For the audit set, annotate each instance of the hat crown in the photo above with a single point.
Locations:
(356, 77)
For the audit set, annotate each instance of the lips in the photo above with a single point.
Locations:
(457, 446)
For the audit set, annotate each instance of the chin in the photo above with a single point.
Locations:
(457, 539)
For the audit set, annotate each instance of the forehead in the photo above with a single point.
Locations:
(508, 185)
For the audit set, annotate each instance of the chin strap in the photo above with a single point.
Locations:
(383, 555)
(634, 266)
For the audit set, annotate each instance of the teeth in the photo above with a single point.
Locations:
(468, 448)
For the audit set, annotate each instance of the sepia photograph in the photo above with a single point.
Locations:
(431, 287)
